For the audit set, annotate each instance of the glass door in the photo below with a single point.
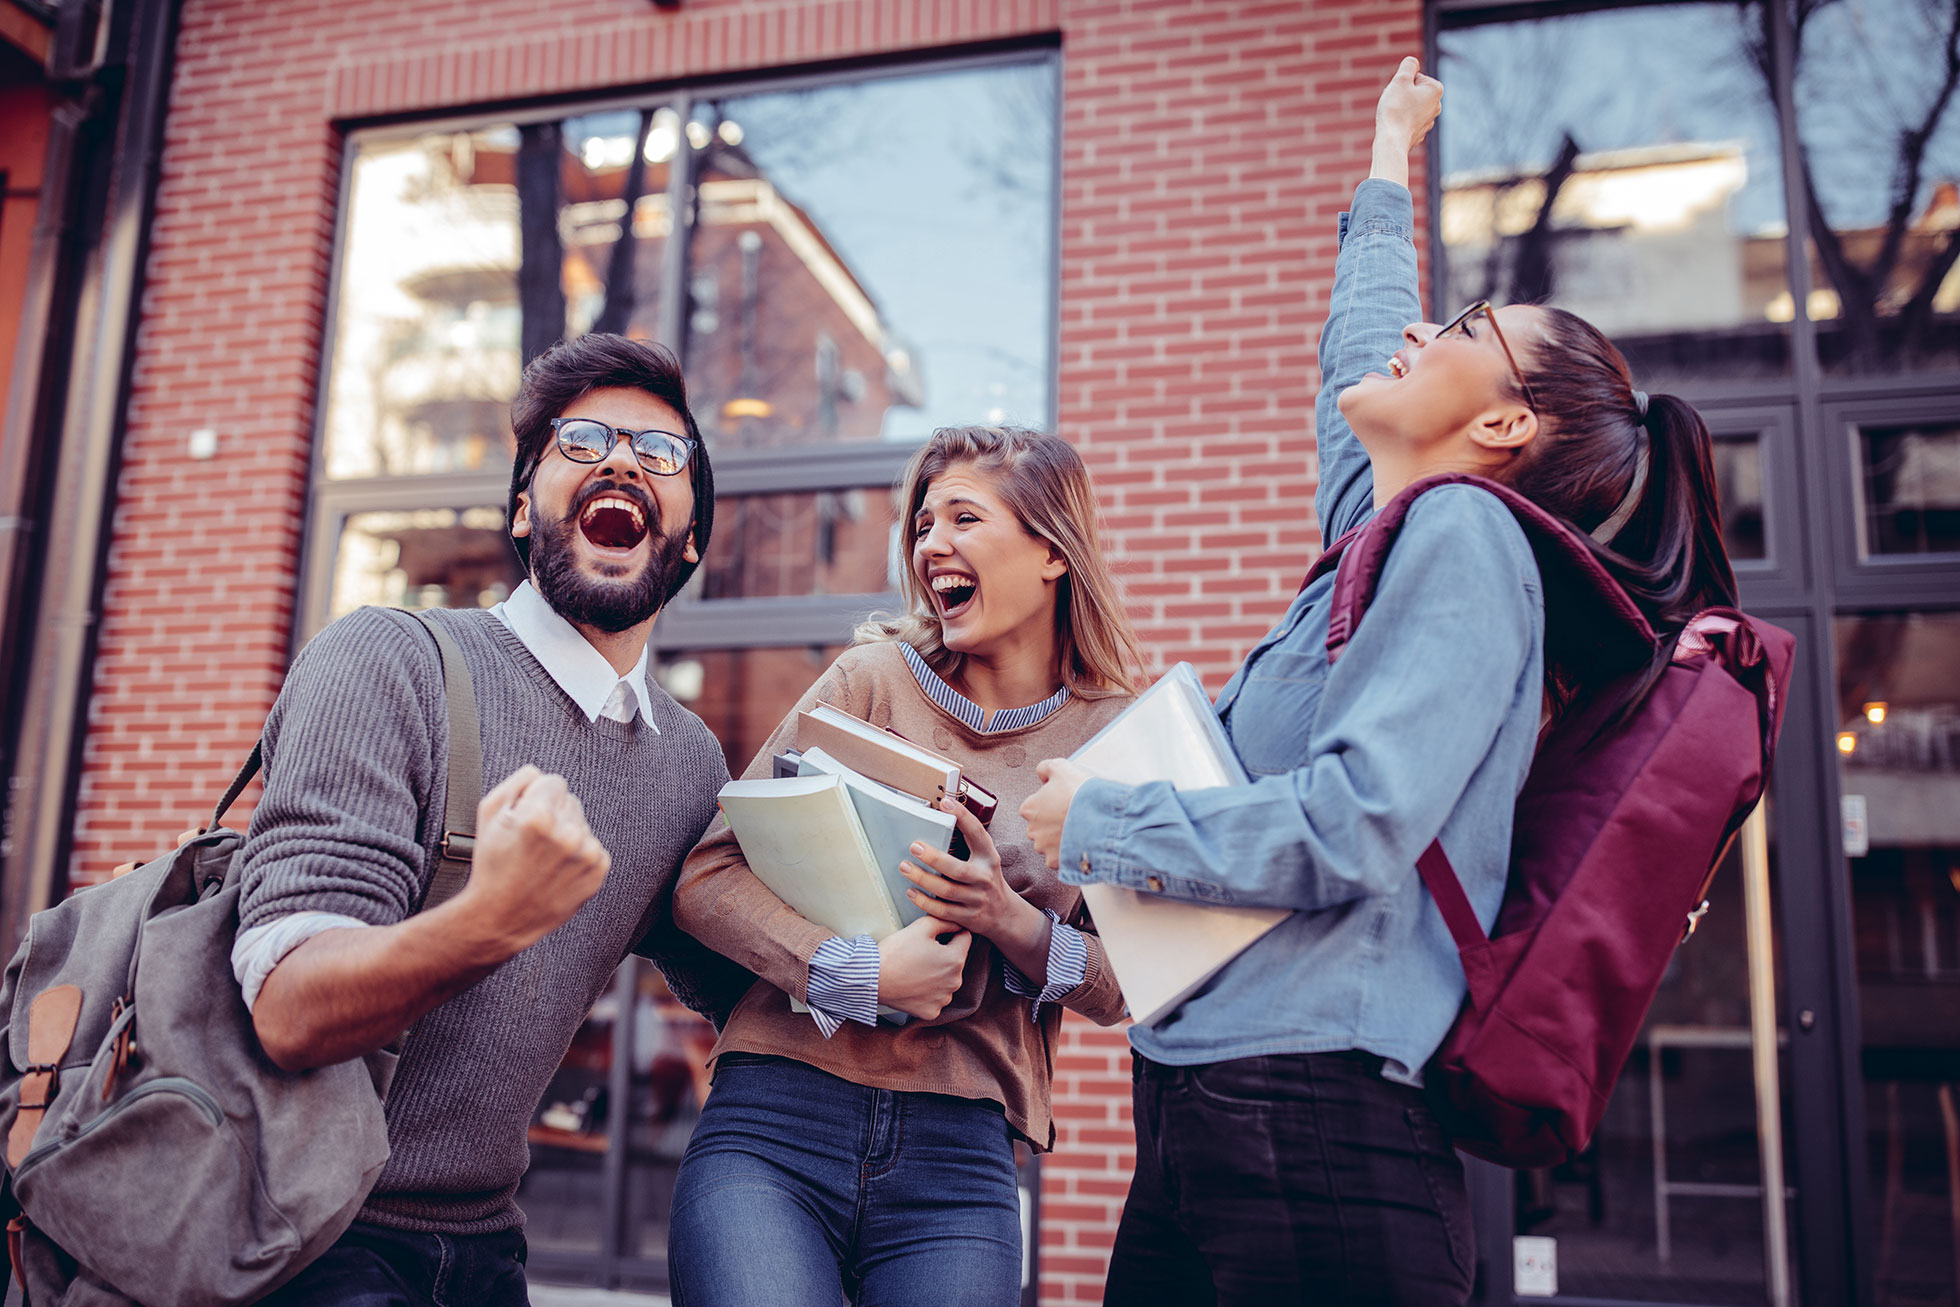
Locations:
(1898, 750)
(1681, 1197)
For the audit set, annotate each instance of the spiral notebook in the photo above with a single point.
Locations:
(1163, 949)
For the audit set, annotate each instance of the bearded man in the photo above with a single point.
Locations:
(603, 784)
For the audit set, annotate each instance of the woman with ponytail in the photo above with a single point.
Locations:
(1286, 1152)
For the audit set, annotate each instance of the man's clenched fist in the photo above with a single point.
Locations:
(536, 862)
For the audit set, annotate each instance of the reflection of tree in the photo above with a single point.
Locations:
(1506, 109)
(621, 283)
(540, 292)
(1886, 279)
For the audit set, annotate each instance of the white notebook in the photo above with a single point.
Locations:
(892, 822)
(1162, 949)
(801, 837)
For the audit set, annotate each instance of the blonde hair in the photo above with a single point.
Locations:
(1042, 480)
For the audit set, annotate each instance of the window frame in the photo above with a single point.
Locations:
(686, 624)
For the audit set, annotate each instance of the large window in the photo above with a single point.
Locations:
(1623, 165)
(1759, 201)
(842, 266)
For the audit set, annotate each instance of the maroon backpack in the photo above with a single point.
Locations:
(1620, 825)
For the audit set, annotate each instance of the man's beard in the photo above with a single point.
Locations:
(612, 604)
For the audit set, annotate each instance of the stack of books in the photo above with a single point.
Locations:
(828, 831)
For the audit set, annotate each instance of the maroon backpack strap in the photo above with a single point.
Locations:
(1363, 552)
(1330, 557)
(1447, 889)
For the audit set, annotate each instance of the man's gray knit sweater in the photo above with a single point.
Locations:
(355, 766)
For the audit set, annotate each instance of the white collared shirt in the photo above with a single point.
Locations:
(580, 670)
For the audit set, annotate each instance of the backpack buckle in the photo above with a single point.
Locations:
(458, 846)
(43, 1078)
(1694, 920)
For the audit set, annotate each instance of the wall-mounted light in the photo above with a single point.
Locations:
(747, 408)
(1875, 712)
(1847, 742)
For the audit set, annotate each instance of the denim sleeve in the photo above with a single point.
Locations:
(1068, 966)
(1374, 298)
(1406, 718)
(844, 983)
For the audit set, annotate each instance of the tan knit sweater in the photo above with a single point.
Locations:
(985, 1044)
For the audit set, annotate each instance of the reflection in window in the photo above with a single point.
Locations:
(666, 1048)
(809, 543)
(1623, 165)
(742, 694)
(863, 261)
(874, 259)
(424, 558)
(1898, 747)
(1880, 150)
(1739, 488)
(1911, 488)
(425, 354)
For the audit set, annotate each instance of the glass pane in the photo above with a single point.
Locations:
(425, 347)
(563, 1193)
(742, 694)
(1911, 488)
(1623, 165)
(1666, 1205)
(1880, 153)
(670, 1082)
(807, 543)
(1739, 486)
(424, 558)
(874, 260)
(1898, 747)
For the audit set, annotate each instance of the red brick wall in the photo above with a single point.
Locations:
(1208, 145)
(1207, 149)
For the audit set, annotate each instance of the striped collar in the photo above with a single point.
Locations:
(1004, 719)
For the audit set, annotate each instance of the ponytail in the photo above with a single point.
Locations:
(1635, 474)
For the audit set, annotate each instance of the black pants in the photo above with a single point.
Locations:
(372, 1266)
(1303, 1178)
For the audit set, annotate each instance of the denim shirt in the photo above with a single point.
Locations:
(1424, 728)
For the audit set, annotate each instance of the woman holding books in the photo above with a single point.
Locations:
(1286, 1151)
(841, 1154)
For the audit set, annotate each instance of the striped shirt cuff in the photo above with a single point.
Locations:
(844, 983)
(1068, 966)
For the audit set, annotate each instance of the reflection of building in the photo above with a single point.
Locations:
(1638, 238)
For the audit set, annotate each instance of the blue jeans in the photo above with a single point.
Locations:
(799, 1187)
(1300, 1178)
(373, 1266)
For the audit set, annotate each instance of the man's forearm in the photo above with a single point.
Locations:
(344, 993)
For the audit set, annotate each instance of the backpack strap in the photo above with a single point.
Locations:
(51, 1022)
(465, 772)
(1446, 887)
(1563, 558)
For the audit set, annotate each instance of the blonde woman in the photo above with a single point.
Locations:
(840, 1155)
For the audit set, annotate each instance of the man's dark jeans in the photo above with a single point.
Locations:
(1299, 1178)
(372, 1266)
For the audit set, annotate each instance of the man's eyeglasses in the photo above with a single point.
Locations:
(1482, 309)
(586, 440)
